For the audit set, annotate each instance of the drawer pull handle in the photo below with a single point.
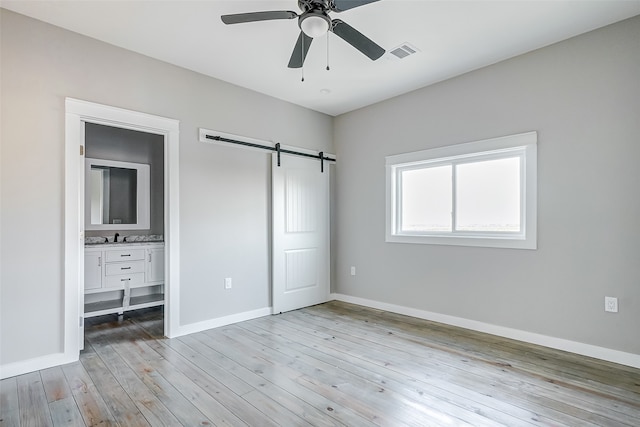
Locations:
(125, 254)
(125, 268)
(124, 280)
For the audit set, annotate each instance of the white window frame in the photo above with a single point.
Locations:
(521, 145)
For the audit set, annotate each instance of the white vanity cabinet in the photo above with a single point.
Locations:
(123, 277)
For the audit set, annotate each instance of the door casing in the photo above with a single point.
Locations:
(78, 112)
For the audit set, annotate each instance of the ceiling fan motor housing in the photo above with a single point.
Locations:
(306, 5)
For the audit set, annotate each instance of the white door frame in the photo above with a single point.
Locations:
(77, 112)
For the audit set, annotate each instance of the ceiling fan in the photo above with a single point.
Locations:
(314, 21)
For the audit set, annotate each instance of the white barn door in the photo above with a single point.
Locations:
(300, 233)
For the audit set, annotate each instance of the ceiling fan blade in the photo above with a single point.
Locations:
(342, 5)
(356, 39)
(240, 18)
(300, 51)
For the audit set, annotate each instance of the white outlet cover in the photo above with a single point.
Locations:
(227, 283)
(611, 304)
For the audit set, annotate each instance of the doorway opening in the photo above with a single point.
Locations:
(143, 271)
(124, 222)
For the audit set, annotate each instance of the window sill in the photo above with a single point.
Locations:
(516, 242)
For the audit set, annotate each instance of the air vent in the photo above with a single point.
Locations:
(404, 50)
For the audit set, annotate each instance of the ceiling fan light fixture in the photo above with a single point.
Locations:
(314, 24)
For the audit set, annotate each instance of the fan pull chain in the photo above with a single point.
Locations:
(302, 55)
(328, 51)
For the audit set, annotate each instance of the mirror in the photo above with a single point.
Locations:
(116, 195)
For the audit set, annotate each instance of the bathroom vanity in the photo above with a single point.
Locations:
(122, 276)
(121, 273)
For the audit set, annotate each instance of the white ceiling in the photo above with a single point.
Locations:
(453, 37)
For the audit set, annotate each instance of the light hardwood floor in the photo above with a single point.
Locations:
(330, 365)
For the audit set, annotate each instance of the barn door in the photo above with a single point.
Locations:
(300, 233)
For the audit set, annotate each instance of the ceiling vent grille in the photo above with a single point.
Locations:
(404, 50)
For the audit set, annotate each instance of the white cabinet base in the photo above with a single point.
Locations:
(101, 308)
(123, 278)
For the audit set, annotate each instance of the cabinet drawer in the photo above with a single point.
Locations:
(118, 282)
(125, 255)
(114, 268)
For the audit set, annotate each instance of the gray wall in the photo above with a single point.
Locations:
(224, 192)
(124, 145)
(583, 98)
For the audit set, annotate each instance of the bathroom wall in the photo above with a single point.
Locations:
(124, 145)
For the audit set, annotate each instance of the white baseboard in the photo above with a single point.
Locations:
(616, 356)
(30, 365)
(220, 321)
(25, 366)
(629, 359)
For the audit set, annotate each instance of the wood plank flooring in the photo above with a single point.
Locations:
(333, 364)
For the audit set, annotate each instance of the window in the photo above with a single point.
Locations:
(476, 194)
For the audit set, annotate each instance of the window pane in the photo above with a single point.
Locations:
(488, 195)
(426, 197)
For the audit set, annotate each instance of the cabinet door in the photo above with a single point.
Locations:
(155, 265)
(92, 270)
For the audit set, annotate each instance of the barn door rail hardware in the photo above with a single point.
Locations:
(209, 136)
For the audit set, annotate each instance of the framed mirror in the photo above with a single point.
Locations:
(117, 195)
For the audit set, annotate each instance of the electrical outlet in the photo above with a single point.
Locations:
(353, 271)
(227, 283)
(611, 304)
